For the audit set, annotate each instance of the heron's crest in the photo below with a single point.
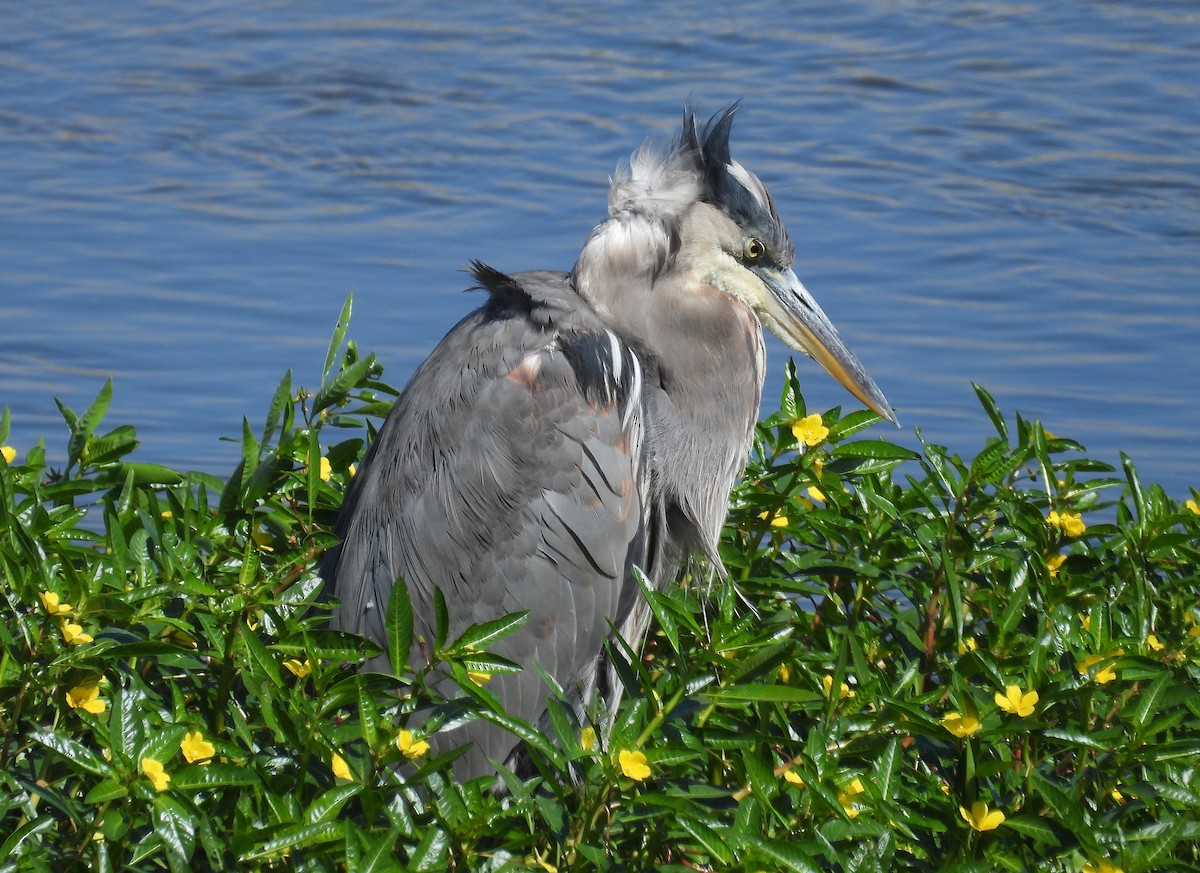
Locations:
(730, 186)
(651, 192)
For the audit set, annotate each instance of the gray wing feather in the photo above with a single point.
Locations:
(510, 474)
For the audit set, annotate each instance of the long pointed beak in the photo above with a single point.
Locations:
(793, 315)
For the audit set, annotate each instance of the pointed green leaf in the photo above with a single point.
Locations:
(280, 403)
(195, 777)
(666, 622)
(73, 751)
(95, 413)
(335, 342)
(479, 637)
(398, 623)
(785, 854)
(441, 619)
(993, 412)
(338, 387)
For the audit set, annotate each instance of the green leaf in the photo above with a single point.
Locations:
(328, 804)
(95, 413)
(105, 790)
(195, 777)
(259, 658)
(337, 388)
(25, 832)
(1153, 854)
(993, 412)
(280, 403)
(1135, 488)
(850, 424)
(1147, 702)
(885, 768)
(300, 837)
(709, 839)
(441, 619)
(379, 855)
(339, 333)
(785, 854)
(399, 625)
(874, 449)
(176, 827)
(1075, 738)
(479, 637)
(1033, 827)
(430, 853)
(124, 727)
(666, 621)
(73, 751)
(991, 464)
(761, 693)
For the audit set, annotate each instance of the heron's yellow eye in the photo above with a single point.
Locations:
(753, 250)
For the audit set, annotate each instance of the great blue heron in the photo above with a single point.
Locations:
(579, 424)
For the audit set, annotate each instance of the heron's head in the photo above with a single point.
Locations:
(734, 239)
(694, 214)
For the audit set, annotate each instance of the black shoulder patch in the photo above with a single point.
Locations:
(608, 370)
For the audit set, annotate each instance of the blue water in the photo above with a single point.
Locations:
(1008, 194)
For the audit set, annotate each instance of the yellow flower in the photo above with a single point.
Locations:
(1117, 795)
(810, 430)
(1054, 564)
(73, 633)
(587, 738)
(1070, 523)
(166, 515)
(352, 469)
(86, 697)
(1154, 643)
(634, 764)
(479, 677)
(792, 776)
(980, 818)
(1102, 866)
(846, 797)
(156, 773)
(1191, 505)
(410, 745)
(326, 469)
(777, 519)
(843, 692)
(299, 669)
(961, 724)
(817, 494)
(195, 747)
(1014, 702)
(1194, 630)
(339, 767)
(52, 605)
(9, 454)
(967, 645)
(1107, 674)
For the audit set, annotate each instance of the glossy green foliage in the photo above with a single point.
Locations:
(915, 661)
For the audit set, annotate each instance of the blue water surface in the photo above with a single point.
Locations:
(1000, 193)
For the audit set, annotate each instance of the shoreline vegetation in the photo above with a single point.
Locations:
(915, 662)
